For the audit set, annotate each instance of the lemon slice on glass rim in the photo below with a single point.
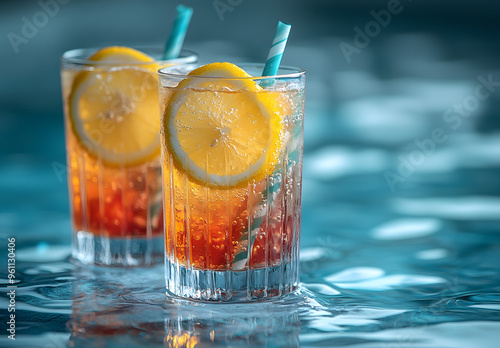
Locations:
(113, 108)
(225, 131)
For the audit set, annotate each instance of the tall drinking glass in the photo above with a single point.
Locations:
(232, 172)
(112, 126)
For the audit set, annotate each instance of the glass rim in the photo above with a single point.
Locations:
(295, 72)
(75, 56)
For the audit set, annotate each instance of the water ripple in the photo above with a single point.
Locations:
(456, 208)
(406, 228)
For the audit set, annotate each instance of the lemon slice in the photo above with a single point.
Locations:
(223, 132)
(114, 110)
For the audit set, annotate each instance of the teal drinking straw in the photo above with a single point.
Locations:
(176, 38)
(241, 259)
(277, 49)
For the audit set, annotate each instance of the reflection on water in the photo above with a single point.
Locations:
(366, 306)
(268, 324)
(116, 305)
(131, 308)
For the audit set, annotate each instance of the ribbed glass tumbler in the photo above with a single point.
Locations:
(232, 175)
(112, 126)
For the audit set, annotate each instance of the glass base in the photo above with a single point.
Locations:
(231, 286)
(131, 252)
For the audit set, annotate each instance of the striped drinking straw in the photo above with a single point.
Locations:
(176, 38)
(276, 51)
(241, 258)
